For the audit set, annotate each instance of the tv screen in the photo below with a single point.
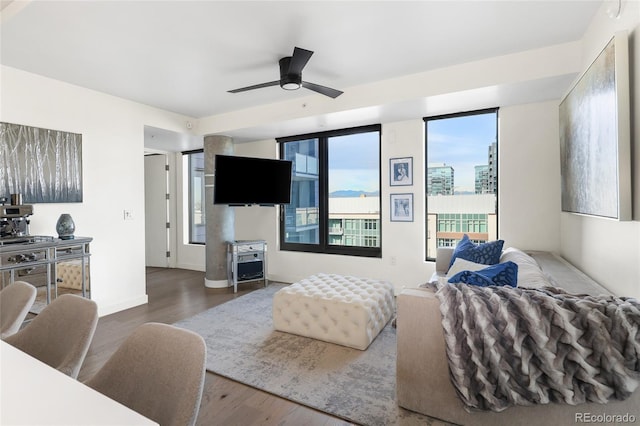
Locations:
(247, 180)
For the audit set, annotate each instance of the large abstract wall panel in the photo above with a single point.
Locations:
(43, 165)
(595, 137)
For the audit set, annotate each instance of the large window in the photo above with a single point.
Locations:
(335, 193)
(461, 178)
(197, 228)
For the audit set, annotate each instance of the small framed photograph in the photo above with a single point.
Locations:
(401, 207)
(401, 171)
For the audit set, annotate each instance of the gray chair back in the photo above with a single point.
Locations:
(159, 372)
(61, 334)
(15, 301)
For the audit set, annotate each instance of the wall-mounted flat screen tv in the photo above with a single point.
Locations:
(243, 181)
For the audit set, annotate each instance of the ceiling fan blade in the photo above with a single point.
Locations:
(255, 86)
(299, 60)
(327, 91)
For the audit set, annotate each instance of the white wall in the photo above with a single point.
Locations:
(113, 175)
(529, 176)
(607, 250)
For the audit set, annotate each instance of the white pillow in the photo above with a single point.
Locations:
(529, 272)
(460, 265)
(517, 256)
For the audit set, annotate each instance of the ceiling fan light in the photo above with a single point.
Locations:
(292, 85)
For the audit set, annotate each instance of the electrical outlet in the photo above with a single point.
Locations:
(128, 215)
(393, 260)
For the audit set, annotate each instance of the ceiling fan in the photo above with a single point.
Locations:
(291, 76)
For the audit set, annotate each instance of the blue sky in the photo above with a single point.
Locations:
(354, 165)
(461, 142)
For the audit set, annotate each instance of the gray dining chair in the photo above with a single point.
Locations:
(15, 301)
(159, 372)
(60, 335)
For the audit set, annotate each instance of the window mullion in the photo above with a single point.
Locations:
(324, 192)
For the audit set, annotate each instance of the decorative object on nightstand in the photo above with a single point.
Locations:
(65, 227)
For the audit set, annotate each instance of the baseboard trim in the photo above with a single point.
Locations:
(216, 283)
(121, 306)
(190, 266)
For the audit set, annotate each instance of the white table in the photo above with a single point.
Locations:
(33, 393)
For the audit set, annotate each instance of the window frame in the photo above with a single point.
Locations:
(493, 110)
(323, 246)
(190, 205)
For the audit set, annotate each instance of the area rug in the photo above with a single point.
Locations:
(358, 386)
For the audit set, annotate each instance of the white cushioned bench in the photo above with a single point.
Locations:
(349, 311)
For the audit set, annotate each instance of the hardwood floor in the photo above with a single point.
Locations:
(175, 294)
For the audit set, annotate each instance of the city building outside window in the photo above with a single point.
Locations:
(461, 178)
(335, 193)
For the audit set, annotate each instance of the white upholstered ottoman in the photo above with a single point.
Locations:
(346, 310)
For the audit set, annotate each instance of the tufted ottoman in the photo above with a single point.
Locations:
(349, 311)
(69, 275)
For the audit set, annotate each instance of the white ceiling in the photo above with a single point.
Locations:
(183, 56)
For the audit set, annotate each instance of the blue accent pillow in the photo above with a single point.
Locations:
(485, 253)
(505, 273)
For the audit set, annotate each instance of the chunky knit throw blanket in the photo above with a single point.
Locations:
(515, 346)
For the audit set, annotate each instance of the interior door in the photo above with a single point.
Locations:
(156, 188)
